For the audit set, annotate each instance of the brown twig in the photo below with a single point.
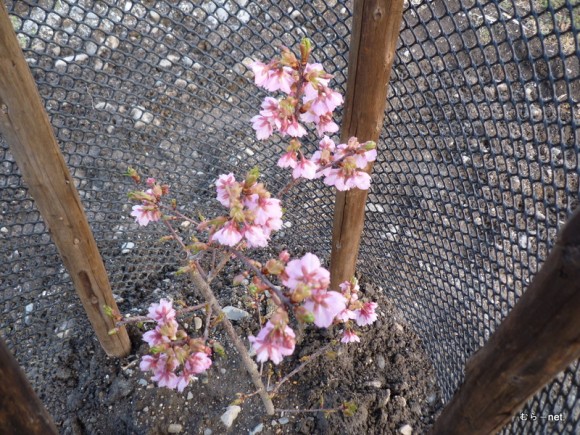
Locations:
(145, 319)
(214, 272)
(283, 299)
(207, 293)
(300, 367)
(207, 323)
(295, 411)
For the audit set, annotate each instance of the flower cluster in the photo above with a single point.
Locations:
(306, 283)
(148, 210)
(303, 290)
(308, 99)
(175, 358)
(254, 214)
(362, 312)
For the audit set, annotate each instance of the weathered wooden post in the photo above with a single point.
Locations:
(538, 339)
(376, 25)
(21, 412)
(27, 130)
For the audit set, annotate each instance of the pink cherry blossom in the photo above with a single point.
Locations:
(305, 169)
(273, 78)
(306, 271)
(325, 306)
(322, 99)
(263, 125)
(265, 209)
(162, 312)
(345, 315)
(148, 362)
(366, 315)
(198, 363)
(223, 185)
(347, 176)
(359, 180)
(228, 235)
(164, 372)
(261, 72)
(273, 343)
(314, 73)
(281, 79)
(195, 364)
(255, 236)
(288, 160)
(349, 336)
(364, 158)
(155, 337)
(291, 127)
(144, 214)
(325, 124)
(268, 119)
(327, 143)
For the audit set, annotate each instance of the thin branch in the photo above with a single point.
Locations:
(178, 239)
(283, 299)
(250, 365)
(300, 367)
(294, 411)
(207, 322)
(145, 319)
(216, 270)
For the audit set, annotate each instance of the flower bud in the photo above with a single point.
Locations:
(274, 267)
(237, 214)
(303, 315)
(133, 174)
(279, 318)
(370, 145)
(284, 256)
(238, 279)
(294, 145)
(287, 58)
(301, 292)
(252, 176)
(305, 49)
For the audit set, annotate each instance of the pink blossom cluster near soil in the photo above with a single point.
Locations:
(302, 294)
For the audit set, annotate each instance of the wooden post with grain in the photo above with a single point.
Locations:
(376, 25)
(27, 130)
(21, 411)
(538, 339)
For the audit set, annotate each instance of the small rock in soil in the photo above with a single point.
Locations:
(406, 430)
(400, 401)
(374, 384)
(234, 313)
(175, 428)
(257, 429)
(381, 362)
(230, 415)
(384, 399)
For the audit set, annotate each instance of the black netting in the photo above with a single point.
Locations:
(477, 170)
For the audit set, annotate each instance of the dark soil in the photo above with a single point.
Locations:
(387, 375)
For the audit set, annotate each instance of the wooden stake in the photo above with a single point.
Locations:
(538, 339)
(21, 412)
(25, 126)
(376, 25)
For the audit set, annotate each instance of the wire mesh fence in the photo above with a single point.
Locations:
(478, 165)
